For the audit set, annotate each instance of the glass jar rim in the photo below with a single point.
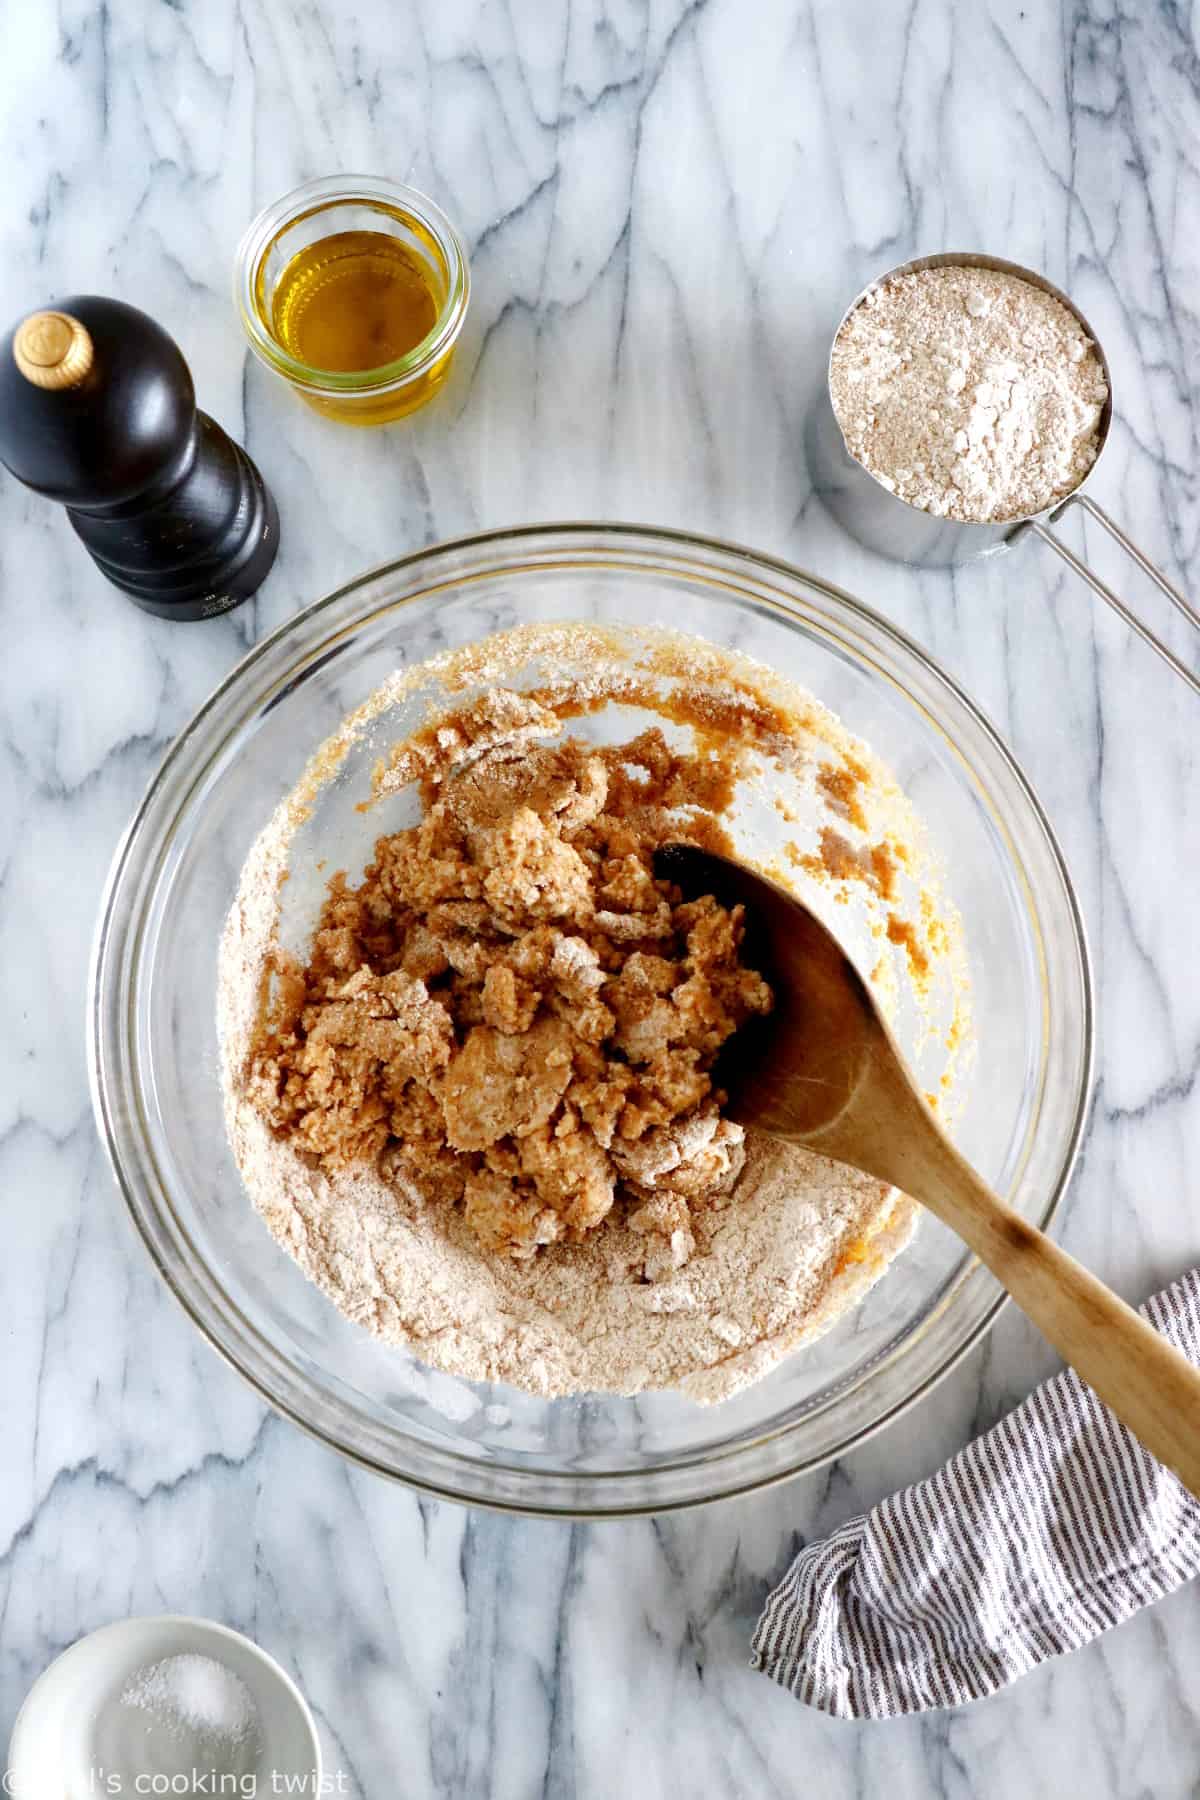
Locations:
(317, 196)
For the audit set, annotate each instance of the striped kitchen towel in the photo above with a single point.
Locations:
(1032, 1541)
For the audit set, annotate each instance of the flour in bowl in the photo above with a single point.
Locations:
(481, 1113)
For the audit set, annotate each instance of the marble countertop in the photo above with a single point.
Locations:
(667, 204)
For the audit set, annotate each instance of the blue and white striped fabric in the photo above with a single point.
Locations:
(1051, 1529)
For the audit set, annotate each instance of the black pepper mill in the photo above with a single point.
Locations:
(97, 411)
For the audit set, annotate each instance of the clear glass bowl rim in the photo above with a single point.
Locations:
(312, 197)
(746, 1466)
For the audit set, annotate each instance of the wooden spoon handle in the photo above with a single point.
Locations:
(1150, 1385)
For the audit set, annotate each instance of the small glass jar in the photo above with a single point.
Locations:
(348, 203)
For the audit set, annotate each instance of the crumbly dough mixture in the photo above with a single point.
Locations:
(511, 1012)
(969, 393)
(477, 1107)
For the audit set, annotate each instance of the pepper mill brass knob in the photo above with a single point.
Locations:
(52, 350)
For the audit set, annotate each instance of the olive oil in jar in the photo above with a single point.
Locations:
(354, 301)
(355, 291)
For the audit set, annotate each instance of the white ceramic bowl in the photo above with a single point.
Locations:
(61, 1746)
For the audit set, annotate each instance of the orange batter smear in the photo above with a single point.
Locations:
(857, 1251)
(900, 931)
(839, 859)
(883, 870)
(841, 784)
(726, 725)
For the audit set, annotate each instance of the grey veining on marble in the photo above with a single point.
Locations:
(668, 203)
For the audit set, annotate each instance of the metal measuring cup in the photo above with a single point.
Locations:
(883, 521)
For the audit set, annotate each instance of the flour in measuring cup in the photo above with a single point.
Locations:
(969, 393)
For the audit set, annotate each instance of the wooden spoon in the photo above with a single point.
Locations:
(823, 1070)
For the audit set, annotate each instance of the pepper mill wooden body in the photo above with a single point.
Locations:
(98, 412)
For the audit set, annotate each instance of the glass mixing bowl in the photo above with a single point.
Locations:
(154, 1053)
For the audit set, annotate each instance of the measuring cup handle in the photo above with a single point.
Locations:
(1178, 601)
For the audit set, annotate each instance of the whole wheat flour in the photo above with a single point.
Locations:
(969, 393)
(513, 1011)
(716, 1291)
